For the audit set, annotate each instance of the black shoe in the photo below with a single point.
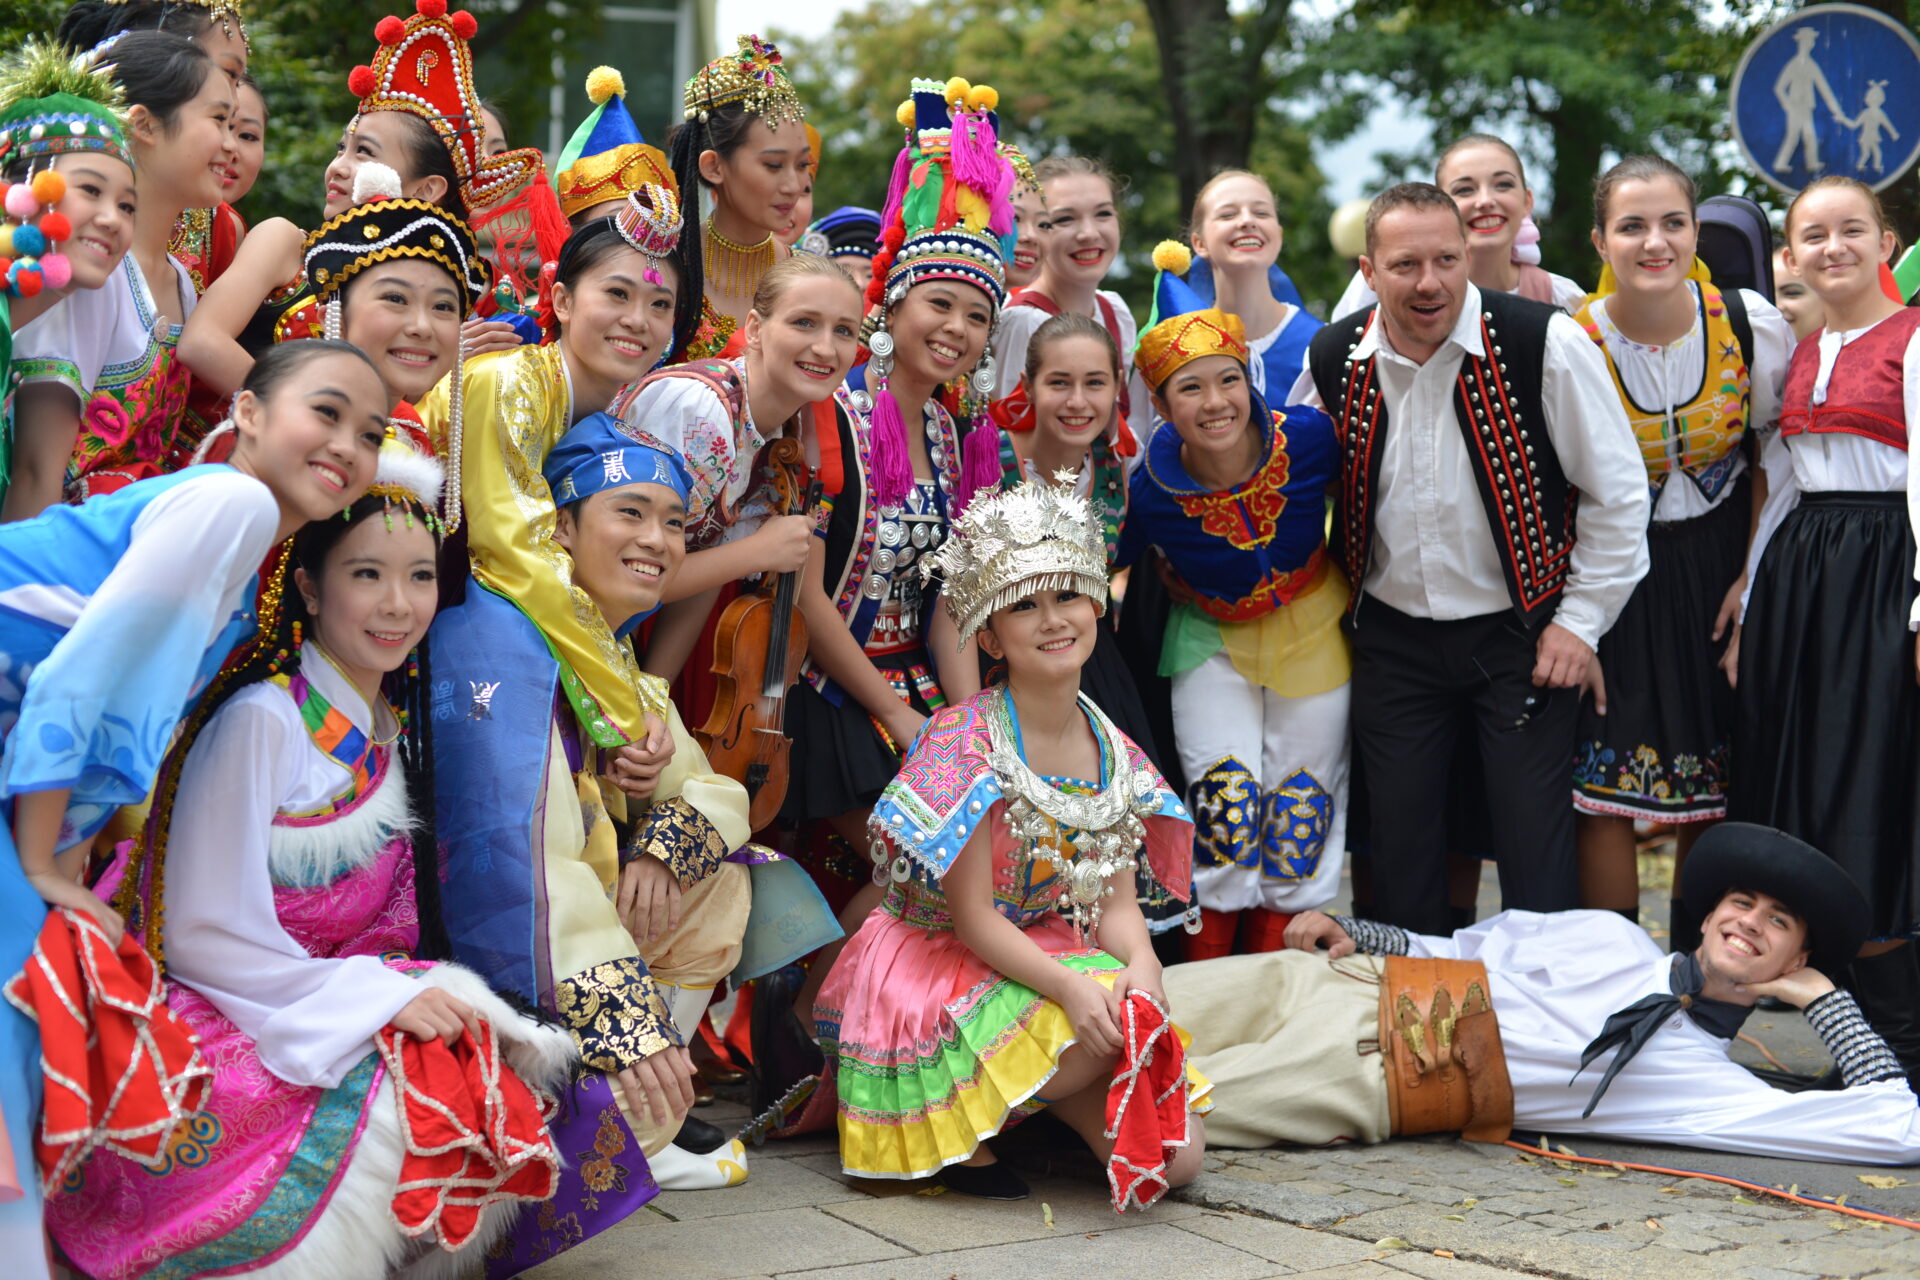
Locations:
(1887, 987)
(783, 1053)
(699, 1137)
(987, 1181)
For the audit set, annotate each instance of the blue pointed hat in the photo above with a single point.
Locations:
(1184, 326)
(607, 158)
(1279, 283)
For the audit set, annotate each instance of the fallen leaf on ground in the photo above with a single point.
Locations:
(1468, 1203)
(1391, 1242)
(1881, 1181)
(1453, 1217)
(1568, 1182)
(1673, 1191)
(1603, 1173)
(937, 1189)
(1564, 1149)
(1046, 1214)
(1743, 1200)
(1653, 1224)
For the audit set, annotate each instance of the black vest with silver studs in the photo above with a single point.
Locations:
(1530, 505)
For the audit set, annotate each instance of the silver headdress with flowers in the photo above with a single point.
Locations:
(1012, 543)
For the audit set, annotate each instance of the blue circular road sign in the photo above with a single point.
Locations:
(1833, 89)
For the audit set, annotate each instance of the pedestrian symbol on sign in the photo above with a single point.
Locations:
(1812, 97)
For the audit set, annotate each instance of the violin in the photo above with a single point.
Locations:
(758, 647)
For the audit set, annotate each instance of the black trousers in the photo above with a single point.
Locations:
(1424, 690)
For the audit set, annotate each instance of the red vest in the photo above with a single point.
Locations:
(1865, 396)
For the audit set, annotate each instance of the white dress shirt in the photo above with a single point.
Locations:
(1433, 549)
(1838, 461)
(1555, 979)
(1663, 377)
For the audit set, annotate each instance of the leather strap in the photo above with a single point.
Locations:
(1446, 1069)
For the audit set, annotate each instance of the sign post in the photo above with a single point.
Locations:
(1832, 89)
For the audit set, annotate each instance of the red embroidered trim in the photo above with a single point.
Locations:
(1246, 516)
(1275, 590)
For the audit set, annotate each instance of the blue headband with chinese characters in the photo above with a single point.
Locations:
(602, 452)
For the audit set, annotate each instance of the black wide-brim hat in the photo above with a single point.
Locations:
(1743, 855)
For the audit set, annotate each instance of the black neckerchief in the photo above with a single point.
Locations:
(1634, 1025)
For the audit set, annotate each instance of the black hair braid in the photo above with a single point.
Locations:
(684, 147)
(415, 698)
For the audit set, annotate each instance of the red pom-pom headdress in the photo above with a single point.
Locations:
(424, 67)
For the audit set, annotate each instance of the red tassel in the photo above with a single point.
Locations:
(549, 322)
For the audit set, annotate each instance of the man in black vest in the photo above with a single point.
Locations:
(1472, 425)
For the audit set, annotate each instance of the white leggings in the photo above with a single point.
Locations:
(1267, 783)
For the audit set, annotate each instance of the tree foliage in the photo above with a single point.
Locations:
(1079, 76)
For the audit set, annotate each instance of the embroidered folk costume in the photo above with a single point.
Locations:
(753, 78)
(948, 216)
(1454, 515)
(1829, 716)
(515, 406)
(160, 577)
(1661, 750)
(292, 931)
(1301, 1061)
(107, 345)
(536, 842)
(934, 1050)
(1259, 668)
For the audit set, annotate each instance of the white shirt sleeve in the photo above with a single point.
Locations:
(1773, 342)
(311, 1019)
(1598, 453)
(1010, 347)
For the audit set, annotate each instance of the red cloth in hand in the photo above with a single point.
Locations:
(1146, 1103)
(474, 1133)
(121, 1070)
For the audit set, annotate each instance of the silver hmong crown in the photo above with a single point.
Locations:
(1013, 543)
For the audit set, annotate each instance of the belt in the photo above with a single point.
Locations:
(1446, 1070)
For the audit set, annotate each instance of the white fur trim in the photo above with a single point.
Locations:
(322, 852)
(375, 181)
(404, 467)
(542, 1056)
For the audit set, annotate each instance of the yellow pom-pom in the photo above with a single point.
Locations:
(983, 98)
(905, 115)
(49, 187)
(957, 90)
(604, 83)
(1172, 256)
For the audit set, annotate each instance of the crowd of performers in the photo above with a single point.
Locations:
(447, 647)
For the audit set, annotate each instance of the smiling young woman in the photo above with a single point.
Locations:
(1696, 368)
(1825, 655)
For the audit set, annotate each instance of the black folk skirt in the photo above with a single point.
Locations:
(1828, 738)
(1662, 750)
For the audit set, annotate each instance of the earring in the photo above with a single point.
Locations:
(984, 376)
(880, 345)
(331, 325)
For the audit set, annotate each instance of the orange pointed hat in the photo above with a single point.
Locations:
(424, 67)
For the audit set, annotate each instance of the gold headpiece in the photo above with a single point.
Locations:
(1183, 326)
(752, 77)
(1013, 543)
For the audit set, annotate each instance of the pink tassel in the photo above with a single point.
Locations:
(977, 164)
(890, 472)
(897, 187)
(979, 460)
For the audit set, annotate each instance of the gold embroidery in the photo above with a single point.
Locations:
(616, 1014)
(679, 835)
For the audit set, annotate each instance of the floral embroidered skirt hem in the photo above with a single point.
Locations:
(1661, 751)
(944, 1053)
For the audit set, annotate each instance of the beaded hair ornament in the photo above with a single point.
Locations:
(650, 222)
(750, 76)
(1014, 543)
(948, 216)
(408, 480)
(425, 68)
(381, 227)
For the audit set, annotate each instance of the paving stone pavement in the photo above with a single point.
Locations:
(1436, 1209)
(1439, 1209)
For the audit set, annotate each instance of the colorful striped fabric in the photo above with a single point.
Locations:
(333, 733)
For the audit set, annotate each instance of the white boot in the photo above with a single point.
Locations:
(679, 1170)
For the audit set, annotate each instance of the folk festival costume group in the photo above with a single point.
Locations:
(405, 833)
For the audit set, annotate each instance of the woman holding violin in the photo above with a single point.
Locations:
(801, 337)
